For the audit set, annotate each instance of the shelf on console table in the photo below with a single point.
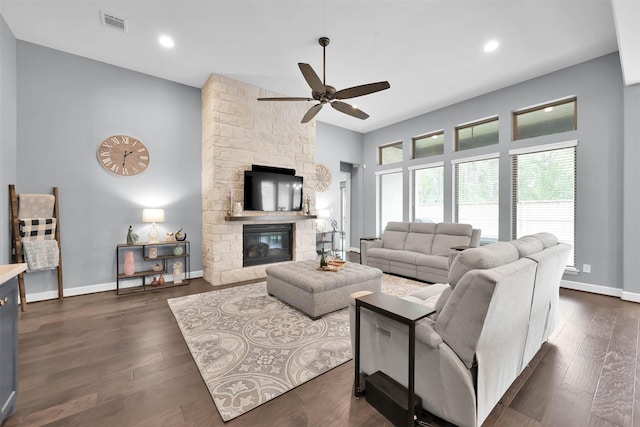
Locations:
(270, 217)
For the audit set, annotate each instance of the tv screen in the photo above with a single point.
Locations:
(270, 191)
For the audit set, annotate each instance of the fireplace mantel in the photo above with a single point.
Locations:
(270, 217)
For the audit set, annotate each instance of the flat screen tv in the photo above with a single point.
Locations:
(272, 189)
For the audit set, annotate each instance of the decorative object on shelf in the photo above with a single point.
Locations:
(230, 197)
(154, 282)
(323, 176)
(323, 259)
(123, 155)
(306, 205)
(178, 270)
(178, 250)
(180, 236)
(153, 253)
(129, 263)
(161, 280)
(334, 224)
(237, 210)
(170, 238)
(158, 267)
(153, 216)
(132, 237)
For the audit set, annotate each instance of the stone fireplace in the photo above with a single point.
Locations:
(239, 131)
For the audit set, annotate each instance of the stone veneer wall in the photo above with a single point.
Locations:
(238, 131)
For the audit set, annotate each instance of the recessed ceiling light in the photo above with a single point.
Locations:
(491, 46)
(166, 41)
(546, 110)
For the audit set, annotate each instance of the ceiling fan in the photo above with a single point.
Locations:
(322, 92)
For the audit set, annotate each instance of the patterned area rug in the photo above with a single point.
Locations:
(251, 348)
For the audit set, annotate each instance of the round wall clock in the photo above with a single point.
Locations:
(123, 155)
(323, 175)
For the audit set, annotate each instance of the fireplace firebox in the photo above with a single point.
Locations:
(266, 243)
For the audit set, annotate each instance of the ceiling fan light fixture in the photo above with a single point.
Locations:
(327, 94)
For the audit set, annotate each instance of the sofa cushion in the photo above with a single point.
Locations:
(450, 235)
(482, 258)
(434, 261)
(527, 245)
(547, 239)
(390, 255)
(420, 237)
(395, 234)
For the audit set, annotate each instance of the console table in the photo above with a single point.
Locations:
(404, 312)
(147, 253)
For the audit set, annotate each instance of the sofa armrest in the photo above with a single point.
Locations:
(426, 333)
(365, 245)
(475, 238)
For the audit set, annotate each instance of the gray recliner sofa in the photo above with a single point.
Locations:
(416, 249)
(502, 305)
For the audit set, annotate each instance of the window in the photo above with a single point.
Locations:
(478, 134)
(546, 119)
(544, 190)
(428, 145)
(389, 197)
(391, 153)
(427, 193)
(476, 196)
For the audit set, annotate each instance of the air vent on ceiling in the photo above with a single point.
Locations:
(113, 22)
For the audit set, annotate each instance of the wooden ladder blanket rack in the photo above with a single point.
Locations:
(17, 246)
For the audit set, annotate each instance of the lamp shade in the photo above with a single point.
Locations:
(152, 215)
(324, 213)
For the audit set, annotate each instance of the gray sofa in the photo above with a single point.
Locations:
(501, 306)
(416, 249)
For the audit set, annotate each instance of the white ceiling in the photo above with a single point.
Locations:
(430, 51)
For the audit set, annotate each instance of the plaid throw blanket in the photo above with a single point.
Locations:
(37, 229)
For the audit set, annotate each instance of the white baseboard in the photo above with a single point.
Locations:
(596, 289)
(356, 250)
(90, 289)
(111, 286)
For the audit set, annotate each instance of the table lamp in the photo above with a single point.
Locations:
(153, 216)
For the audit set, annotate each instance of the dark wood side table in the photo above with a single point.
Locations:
(405, 312)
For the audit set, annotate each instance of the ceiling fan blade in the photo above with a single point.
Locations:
(311, 77)
(343, 107)
(285, 99)
(311, 113)
(355, 91)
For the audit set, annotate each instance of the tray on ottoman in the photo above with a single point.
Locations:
(314, 292)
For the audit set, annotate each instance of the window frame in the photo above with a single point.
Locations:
(514, 189)
(425, 136)
(379, 174)
(455, 163)
(516, 114)
(412, 170)
(391, 144)
(458, 128)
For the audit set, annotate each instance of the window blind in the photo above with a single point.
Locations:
(427, 194)
(476, 196)
(544, 190)
(390, 201)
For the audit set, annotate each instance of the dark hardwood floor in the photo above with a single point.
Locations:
(107, 360)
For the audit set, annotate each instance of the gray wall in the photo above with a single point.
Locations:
(66, 106)
(335, 145)
(631, 254)
(599, 88)
(8, 147)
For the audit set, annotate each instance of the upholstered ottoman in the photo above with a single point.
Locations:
(314, 292)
